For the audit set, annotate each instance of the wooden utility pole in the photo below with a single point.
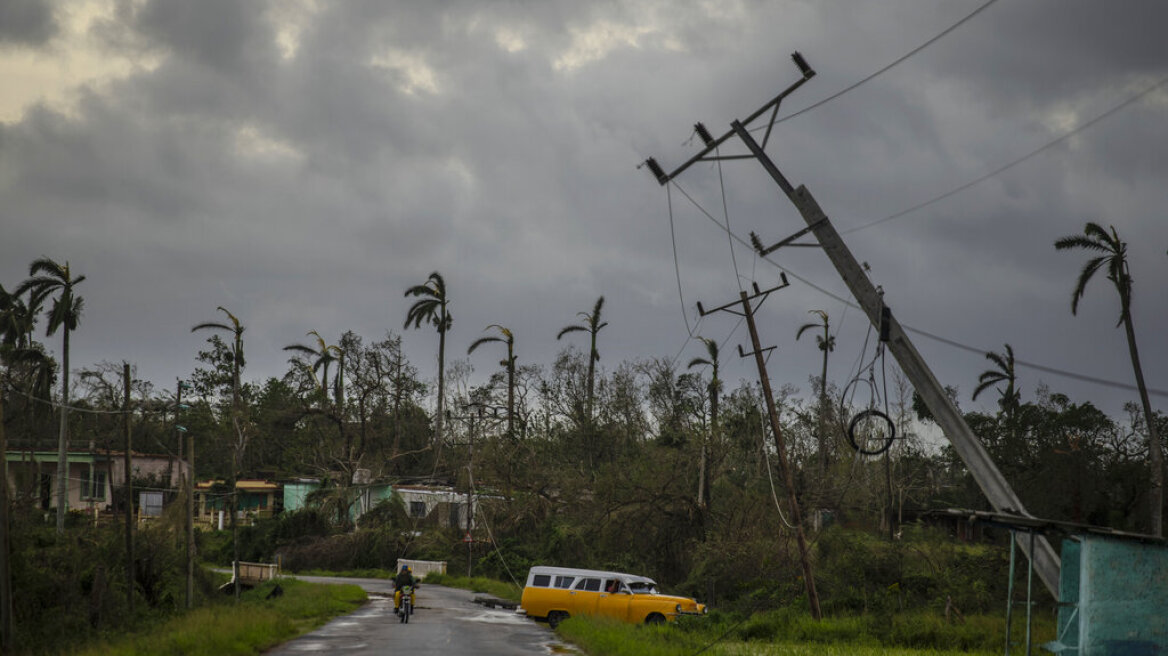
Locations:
(5, 542)
(129, 490)
(776, 431)
(181, 431)
(972, 452)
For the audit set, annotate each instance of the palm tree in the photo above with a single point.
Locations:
(49, 278)
(235, 328)
(325, 355)
(1011, 396)
(591, 325)
(1003, 374)
(714, 388)
(1113, 257)
(432, 308)
(509, 339)
(826, 343)
(17, 320)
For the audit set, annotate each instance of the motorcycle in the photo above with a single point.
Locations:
(407, 603)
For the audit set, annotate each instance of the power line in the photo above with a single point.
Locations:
(848, 303)
(1010, 165)
(93, 411)
(883, 70)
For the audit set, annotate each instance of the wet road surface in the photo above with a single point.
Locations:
(447, 622)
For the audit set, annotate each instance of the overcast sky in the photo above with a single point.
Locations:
(303, 162)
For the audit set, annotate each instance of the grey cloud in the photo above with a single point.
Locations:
(26, 22)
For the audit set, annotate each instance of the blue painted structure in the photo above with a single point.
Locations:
(1113, 586)
(1113, 595)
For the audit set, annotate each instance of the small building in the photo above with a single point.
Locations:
(256, 500)
(436, 505)
(92, 475)
(362, 495)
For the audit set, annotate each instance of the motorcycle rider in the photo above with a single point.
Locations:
(404, 578)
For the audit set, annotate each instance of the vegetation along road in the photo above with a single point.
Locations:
(448, 622)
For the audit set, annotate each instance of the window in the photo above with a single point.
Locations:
(564, 582)
(417, 509)
(150, 504)
(541, 580)
(92, 489)
(612, 586)
(591, 585)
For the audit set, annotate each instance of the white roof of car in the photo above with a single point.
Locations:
(574, 571)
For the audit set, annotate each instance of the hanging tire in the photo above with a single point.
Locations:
(871, 432)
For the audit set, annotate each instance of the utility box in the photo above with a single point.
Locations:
(1113, 598)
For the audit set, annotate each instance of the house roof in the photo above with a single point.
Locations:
(45, 455)
(248, 485)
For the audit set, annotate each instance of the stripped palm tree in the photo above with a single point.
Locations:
(714, 388)
(591, 325)
(17, 320)
(1112, 256)
(49, 278)
(826, 343)
(509, 339)
(432, 308)
(235, 328)
(1004, 373)
(1010, 397)
(325, 354)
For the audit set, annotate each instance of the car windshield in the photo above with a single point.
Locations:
(642, 587)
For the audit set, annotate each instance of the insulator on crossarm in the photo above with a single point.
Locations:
(704, 134)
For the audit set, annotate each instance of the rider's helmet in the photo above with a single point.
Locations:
(405, 568)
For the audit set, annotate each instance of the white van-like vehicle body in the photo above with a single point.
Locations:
(557, 593)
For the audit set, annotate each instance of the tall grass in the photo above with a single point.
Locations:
(227, 630)
(789, 631)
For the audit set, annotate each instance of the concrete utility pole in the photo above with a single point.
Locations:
(129, 491)
(997, 490)
(776, 430)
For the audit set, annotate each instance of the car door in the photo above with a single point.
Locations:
(585, 595)
(613, 600)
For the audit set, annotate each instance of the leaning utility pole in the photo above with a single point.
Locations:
(784, 469)
(972, 452)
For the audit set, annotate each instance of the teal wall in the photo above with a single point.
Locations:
(296, 493)
(1113, 597)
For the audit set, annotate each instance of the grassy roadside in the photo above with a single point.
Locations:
(786, 633)
(228, 630)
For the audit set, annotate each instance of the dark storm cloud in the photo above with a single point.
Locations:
(304, 163)
(221, 34)
(26, 22)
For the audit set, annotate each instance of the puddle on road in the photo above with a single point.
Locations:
(560, 648)
(498, 617)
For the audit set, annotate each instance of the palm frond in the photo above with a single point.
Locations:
(1088, 270)
(571, 329)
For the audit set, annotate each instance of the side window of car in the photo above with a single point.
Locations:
(591, 585)
(541, 580)
(612, 586)
(564, 582)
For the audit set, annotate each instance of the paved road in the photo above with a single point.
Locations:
(447, 622)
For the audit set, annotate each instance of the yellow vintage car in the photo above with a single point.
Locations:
(556, 593)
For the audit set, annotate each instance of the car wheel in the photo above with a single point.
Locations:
(655, 618)
(555, 617)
